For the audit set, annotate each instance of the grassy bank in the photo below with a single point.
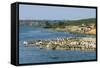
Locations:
(90, 29)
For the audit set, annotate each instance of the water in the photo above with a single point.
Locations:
(36, 55)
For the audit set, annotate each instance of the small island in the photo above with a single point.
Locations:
(64, 44)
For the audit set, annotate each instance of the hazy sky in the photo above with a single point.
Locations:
(37, 12)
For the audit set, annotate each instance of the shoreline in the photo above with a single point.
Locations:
(79, 32)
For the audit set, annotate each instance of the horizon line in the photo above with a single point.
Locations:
(59, 19)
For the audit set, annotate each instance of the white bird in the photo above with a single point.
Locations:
(25, 43)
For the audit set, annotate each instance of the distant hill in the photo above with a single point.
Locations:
(56, 23)
(81, 21)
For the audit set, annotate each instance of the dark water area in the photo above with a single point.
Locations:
(36, 55)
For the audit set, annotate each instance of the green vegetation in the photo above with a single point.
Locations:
(82, 21)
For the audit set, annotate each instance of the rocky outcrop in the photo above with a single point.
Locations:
(67, 44)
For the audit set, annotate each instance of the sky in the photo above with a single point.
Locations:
(37, 12)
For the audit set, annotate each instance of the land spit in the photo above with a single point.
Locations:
(64, 44)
